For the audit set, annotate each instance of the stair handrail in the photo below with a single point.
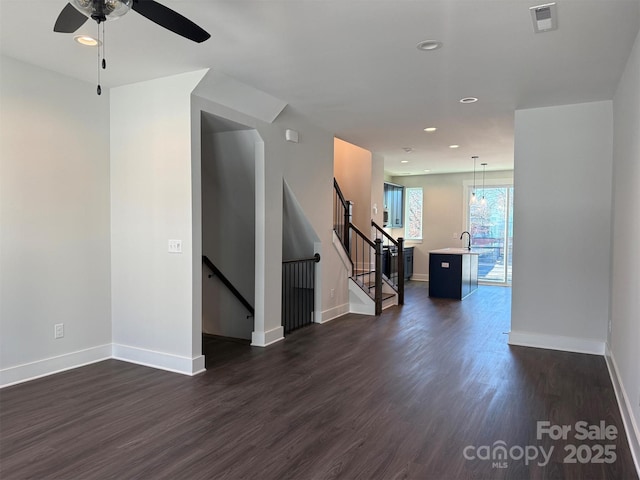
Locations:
(399, 244)
(341, 225)
(364, 237)
(340, 194)
(216, 271)
(385, 234)
(315, 258)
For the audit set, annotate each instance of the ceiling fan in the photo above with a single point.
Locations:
(77, 12)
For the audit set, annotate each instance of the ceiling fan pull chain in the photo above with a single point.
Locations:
(104, 61)
(99, 89)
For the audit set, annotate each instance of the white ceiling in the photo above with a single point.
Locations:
(353, 66)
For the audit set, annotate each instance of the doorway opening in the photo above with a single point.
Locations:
(228, 185)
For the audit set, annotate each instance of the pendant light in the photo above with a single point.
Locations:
(483, 201)
(473, 200)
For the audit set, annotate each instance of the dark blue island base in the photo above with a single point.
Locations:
(453, 273)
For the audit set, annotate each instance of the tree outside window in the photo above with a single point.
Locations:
(413, 213)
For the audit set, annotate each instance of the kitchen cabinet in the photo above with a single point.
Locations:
(393, 205)
(390, 262)
(408, 262)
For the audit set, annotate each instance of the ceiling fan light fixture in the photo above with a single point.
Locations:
(87, 40)
(103, 10)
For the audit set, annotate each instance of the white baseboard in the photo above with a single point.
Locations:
(362, 309)
(420, 277)
(160, 360)
(335, 312)
(264, 339)
(49, 366)
(624, 403)
(556, 342)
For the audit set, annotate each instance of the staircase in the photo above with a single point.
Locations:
(370, 289)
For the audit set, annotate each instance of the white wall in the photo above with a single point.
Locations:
(624, 338)
(228, 229)
(150, 204)
(352, 169)
(443, 214)
(54, 210)
(562, 220)
(307, 168)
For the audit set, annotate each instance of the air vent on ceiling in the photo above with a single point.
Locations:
(545, 17)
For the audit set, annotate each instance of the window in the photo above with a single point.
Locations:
(413, 213)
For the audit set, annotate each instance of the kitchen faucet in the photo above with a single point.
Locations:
(469, 242)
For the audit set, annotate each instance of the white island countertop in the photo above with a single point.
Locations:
(455, 251)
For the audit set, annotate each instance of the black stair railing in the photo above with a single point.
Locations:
(368, 257)
(298, 292)
(216, 271)
(392, 259)
(367, 265)
(341, 215)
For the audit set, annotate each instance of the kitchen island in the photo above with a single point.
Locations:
(453, 272)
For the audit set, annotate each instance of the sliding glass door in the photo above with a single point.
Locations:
(490, 221)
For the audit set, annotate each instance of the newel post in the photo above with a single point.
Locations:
(400, 271)
(347, 223)
(378, 280)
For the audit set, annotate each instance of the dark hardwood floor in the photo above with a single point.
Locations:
(393, 397)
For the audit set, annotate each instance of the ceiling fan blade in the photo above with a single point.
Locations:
(167, 18)
(69, 20)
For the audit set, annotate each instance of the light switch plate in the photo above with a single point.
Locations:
(175, 246)
(58, 330)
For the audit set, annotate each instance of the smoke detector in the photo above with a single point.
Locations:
(545, 17)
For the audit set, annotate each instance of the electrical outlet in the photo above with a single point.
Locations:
(58, 330)
(333, 292)
(455, 236)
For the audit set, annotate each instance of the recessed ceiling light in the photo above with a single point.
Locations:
(429, 45)
(468, 100)
(87, 40)
(454, 146)
(426, 170)
(404, 161)
(430, 129)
